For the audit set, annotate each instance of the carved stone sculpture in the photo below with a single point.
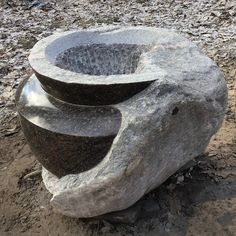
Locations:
(111, 113)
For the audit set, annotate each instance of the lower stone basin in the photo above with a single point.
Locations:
(65, 137)
(112, 112)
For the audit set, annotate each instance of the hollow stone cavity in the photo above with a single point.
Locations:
(101, 59)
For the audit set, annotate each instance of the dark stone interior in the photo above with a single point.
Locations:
(101, 59)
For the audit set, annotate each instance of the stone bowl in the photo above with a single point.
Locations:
(94, 67)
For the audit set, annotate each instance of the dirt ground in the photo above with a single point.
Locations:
(200, 200)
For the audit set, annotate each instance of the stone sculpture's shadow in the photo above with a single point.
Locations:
(168, 209)
(171, 209)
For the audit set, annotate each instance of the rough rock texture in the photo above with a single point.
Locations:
(163, 127)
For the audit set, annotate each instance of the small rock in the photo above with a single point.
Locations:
(39, 5)
(216, 13)
(27, 41)
(171, 187)
(180, 179)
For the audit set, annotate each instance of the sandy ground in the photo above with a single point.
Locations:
(200, 200)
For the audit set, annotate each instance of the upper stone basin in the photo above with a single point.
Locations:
(96, 67)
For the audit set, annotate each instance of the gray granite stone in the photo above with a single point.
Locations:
(168, 100)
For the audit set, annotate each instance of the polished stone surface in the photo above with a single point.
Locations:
(65, 138)
(154, 115)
